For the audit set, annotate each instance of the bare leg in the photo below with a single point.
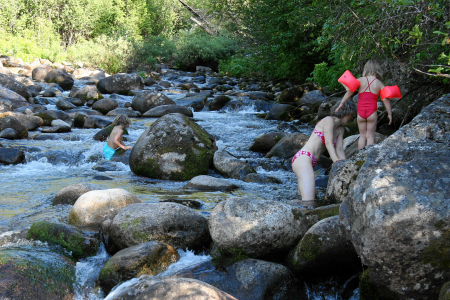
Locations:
(371, 127)
(304, 171)
(362, 126)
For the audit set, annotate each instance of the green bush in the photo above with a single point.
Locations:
(198, 48)
(151, 51)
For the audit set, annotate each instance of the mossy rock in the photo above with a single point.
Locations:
(66, 236)
(228, 257)
(368, 290)
(321, 213)
(445, 292)
(437, 252)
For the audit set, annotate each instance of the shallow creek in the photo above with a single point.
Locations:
(28, 189)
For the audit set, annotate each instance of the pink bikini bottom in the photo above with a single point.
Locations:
(301, 152)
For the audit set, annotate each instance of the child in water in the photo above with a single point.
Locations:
(328, 134)
(115, 138)
(369, 90)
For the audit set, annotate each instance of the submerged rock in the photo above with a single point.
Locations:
(209, 183)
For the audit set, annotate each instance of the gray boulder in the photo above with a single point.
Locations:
(177, 225)
(86, 93)
(39, 73)
(97, 121)
(315, 97)
(282, 112)
(49, 115)
(209, 183)
(123, 111)
(171, 289)
(120, 84)
(11, 122)
(10, 134)
(71, 193)
(29, 121)
(94, 207)
(15, 86)
(173, 148)
(398, 208)
(162, 110)
(148, 258)
(64, 105)
(351, 143)
(219, 102)
(11, 156)
(146, 100)
(105, 105)
(265, 142)
(60, 77)
(288, 145)
(259, 227)
(229, 166)
(11, 100)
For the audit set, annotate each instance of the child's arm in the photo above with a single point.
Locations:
(340, 145)
(118, 140)
(328, 128)
(387, 104)
(347, 96)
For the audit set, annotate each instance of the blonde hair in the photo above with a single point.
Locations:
(372, 67)
(122, 120)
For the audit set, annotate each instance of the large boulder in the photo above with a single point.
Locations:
(71, 193)
(259, 228)
(11, 122)
(230, 166)
(11, 100)
(120, 84)
(283, 112)
(288, 145)
(248, 279)
(49, 115)
(290, 95)
(148, 258)
(60, 77)
(173, 148)
(146, 100)
(398, 216)
(105, 105)
(34, 271)
(324, 249)
(64, 235)
(39, 73)
(94, 207)
(15, 86)
(97, 121)
(11, 156)
(351, 143)
(265, 142)
(175, 224)
(313, 98)
(171, 289)
(29, 121)
(162, 110)
(86, 93)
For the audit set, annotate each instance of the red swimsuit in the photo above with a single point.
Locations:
(367, 103)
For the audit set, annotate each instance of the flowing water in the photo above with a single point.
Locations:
(52, 164)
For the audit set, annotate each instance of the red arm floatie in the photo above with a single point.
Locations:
(348, 80)
(390, 92)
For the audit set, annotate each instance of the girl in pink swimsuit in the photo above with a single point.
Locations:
(328, 134)
(367, 103)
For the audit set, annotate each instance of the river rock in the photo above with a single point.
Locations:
(97, 122)
(196, 102)
(120, 84)
(162, 110)
(60, 77)
(282, 112)
(177, 225)
(57, 126)
(173, 148)
(209, 183)
(147, 100)
(129, 112)
(39, 73)
(11, 156)
(10, 134)
(342, 176)
(64, 235)
(171, 289)
(290, 95)
(150, 81)
(11, 122)
(288, 145)
(259, 227)
(71, 193)
(11, 100)
(148, 258)
(86, 93)
(188, 86)
(64, 105)
(105, 105)
(351, 143)
(313, 98)
(49, 115)
(399, 207)
(229, 166)
(28, 272)
(248, 279)
(93, 207)
(15, 86)
(265, 142)
(323, 249)
(29, 121)
(261, 178)
(219, 102)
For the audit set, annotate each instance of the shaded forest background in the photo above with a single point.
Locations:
(296, 40)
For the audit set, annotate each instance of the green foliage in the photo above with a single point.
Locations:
(198, 48)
